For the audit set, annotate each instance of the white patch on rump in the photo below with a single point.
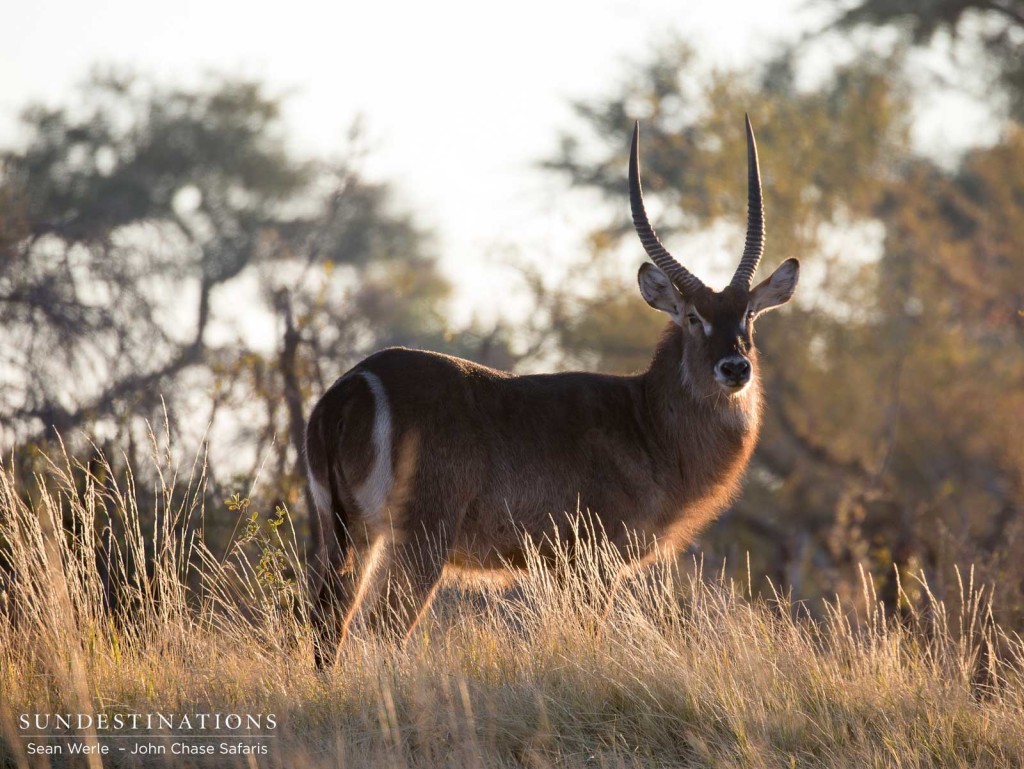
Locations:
(321, 497)
(372, 494)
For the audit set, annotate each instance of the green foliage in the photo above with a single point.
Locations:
(271, 565)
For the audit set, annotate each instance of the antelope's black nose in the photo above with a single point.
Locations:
(733, 371)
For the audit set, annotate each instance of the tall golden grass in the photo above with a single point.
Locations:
(683, 670)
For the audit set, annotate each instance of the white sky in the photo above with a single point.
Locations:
(459, 99)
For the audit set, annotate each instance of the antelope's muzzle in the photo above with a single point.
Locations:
(733, 372)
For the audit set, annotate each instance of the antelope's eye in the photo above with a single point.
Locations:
(694, 320)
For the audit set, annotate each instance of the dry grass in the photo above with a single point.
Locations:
(684, 671)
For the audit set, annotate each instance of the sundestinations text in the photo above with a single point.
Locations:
(113, 722)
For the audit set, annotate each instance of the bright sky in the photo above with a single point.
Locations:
(460, 99)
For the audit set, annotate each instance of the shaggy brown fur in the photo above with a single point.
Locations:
(497, 457)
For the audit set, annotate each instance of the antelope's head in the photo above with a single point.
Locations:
(718, 326)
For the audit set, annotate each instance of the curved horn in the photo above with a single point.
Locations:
(754, 247)
(685, 281)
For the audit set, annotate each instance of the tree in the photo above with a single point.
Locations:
(994, 26)
(144, 230)
(142, 192)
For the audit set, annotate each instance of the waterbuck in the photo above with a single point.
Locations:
(427, 460)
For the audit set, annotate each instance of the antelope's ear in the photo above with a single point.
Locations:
(658, 291)
(777, 290)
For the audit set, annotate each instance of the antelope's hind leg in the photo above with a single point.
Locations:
(331, 605)
(410, 573)
(337, 600)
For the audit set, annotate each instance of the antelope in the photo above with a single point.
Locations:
(427, 460)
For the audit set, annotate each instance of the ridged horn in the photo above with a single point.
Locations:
(754, 246)
(687, 283)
